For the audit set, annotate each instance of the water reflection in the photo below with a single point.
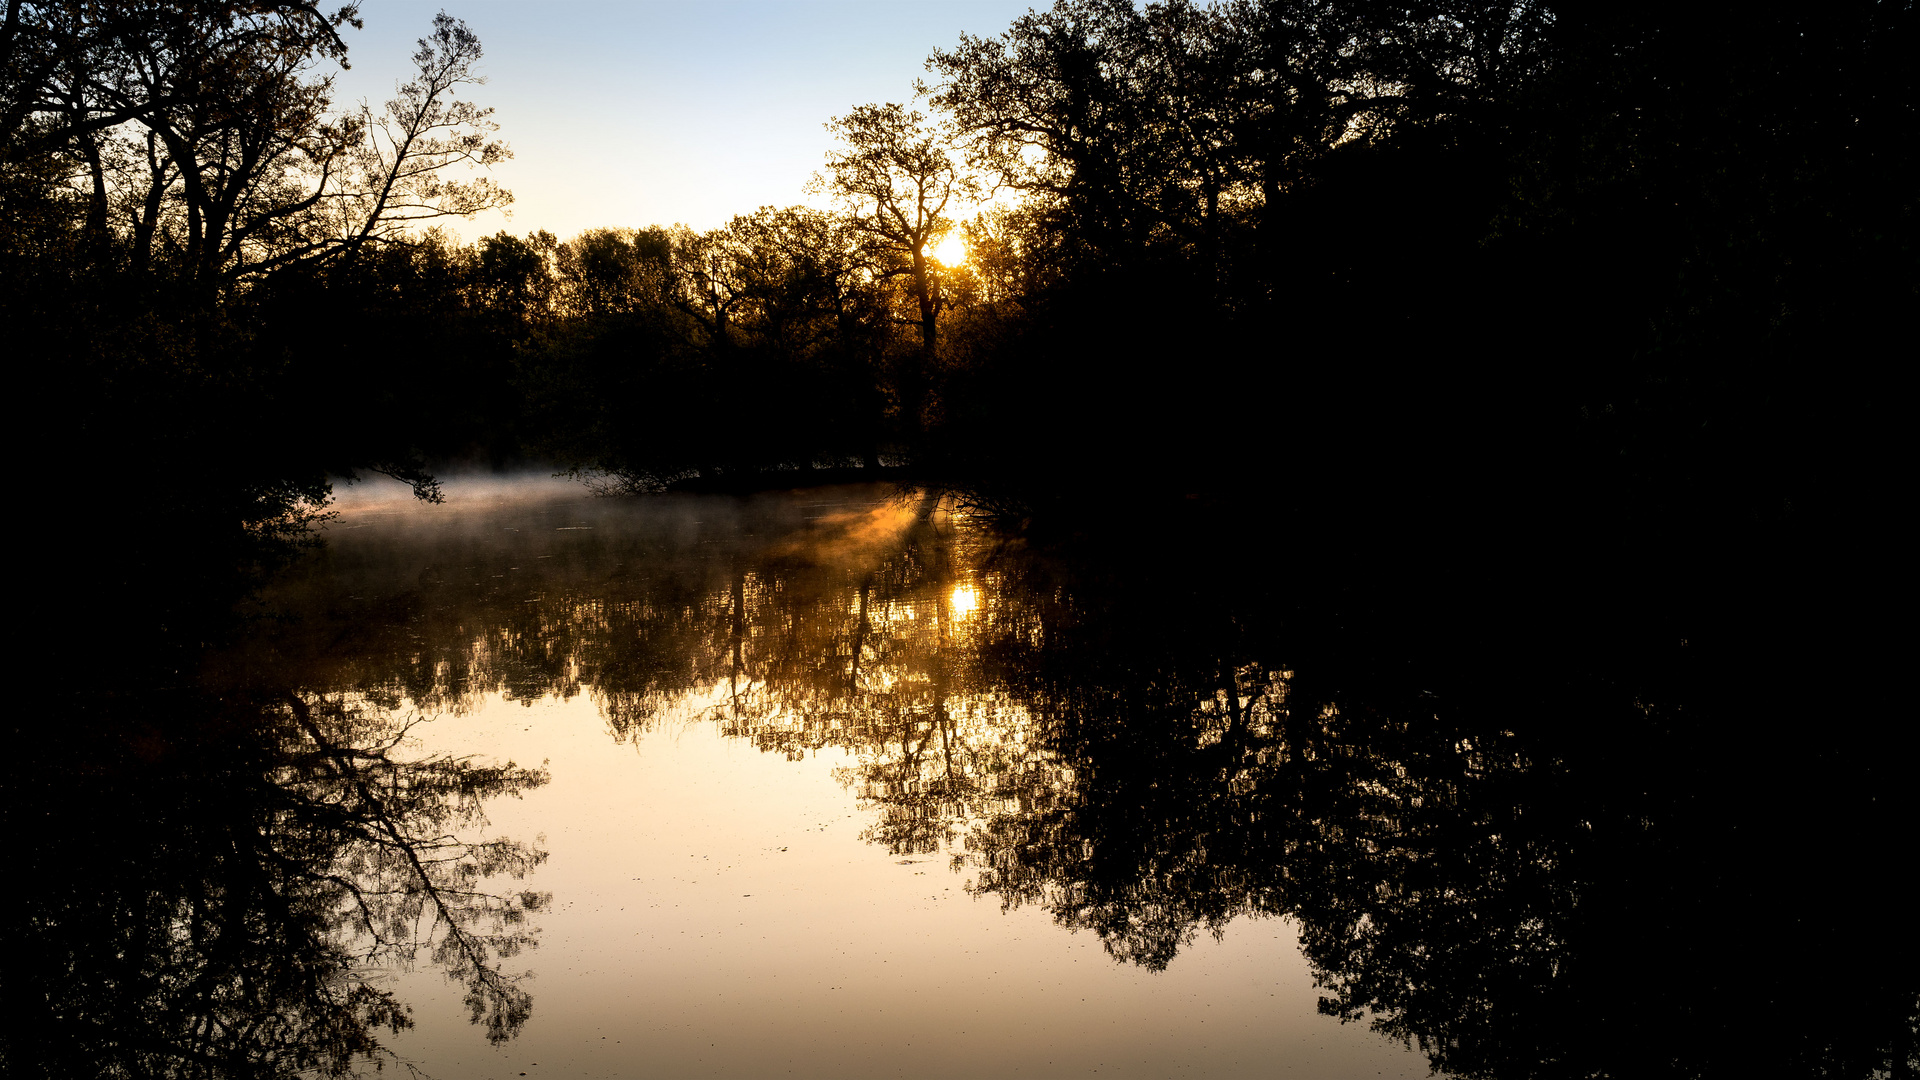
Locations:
(218, 883)
(1528, 850)
(1527, 853)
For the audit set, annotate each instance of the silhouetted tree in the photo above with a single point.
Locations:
(400, 163)
(179, 199)
(208, 147)
(901, 181)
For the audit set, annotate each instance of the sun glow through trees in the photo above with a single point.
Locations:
(952, 250)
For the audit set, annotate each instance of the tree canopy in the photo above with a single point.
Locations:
(206, 140)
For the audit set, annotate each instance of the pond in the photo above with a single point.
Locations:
(849, 782)
(786, 773)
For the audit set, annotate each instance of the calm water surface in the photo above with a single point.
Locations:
(781, 770)
(844, 783)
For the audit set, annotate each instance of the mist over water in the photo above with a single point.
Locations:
(460, 488)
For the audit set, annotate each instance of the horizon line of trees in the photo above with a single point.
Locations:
(1454, 261)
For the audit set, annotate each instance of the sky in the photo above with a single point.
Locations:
(651, 112)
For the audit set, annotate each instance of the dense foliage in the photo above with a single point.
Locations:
(1446, 253)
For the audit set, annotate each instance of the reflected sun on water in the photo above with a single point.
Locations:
(965, 598)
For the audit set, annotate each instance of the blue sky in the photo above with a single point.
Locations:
(659, 111)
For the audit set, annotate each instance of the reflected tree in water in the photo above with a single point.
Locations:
(222, 883)
(1539, 868)
(408, 882)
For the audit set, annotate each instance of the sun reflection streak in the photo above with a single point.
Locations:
(965, 599)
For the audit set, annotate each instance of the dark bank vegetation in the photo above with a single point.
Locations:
(1391, 260)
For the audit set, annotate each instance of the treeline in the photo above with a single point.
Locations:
(1448, 253)
(1387, 262)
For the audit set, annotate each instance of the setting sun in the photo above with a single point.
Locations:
(952, 250)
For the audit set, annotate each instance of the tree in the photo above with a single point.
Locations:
(401, 161)
(206, 103)
(203, 140)
(708, 285)
(899, 176)
(606, 271)
(1170, 126)
(512, 277)
(71, 71)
